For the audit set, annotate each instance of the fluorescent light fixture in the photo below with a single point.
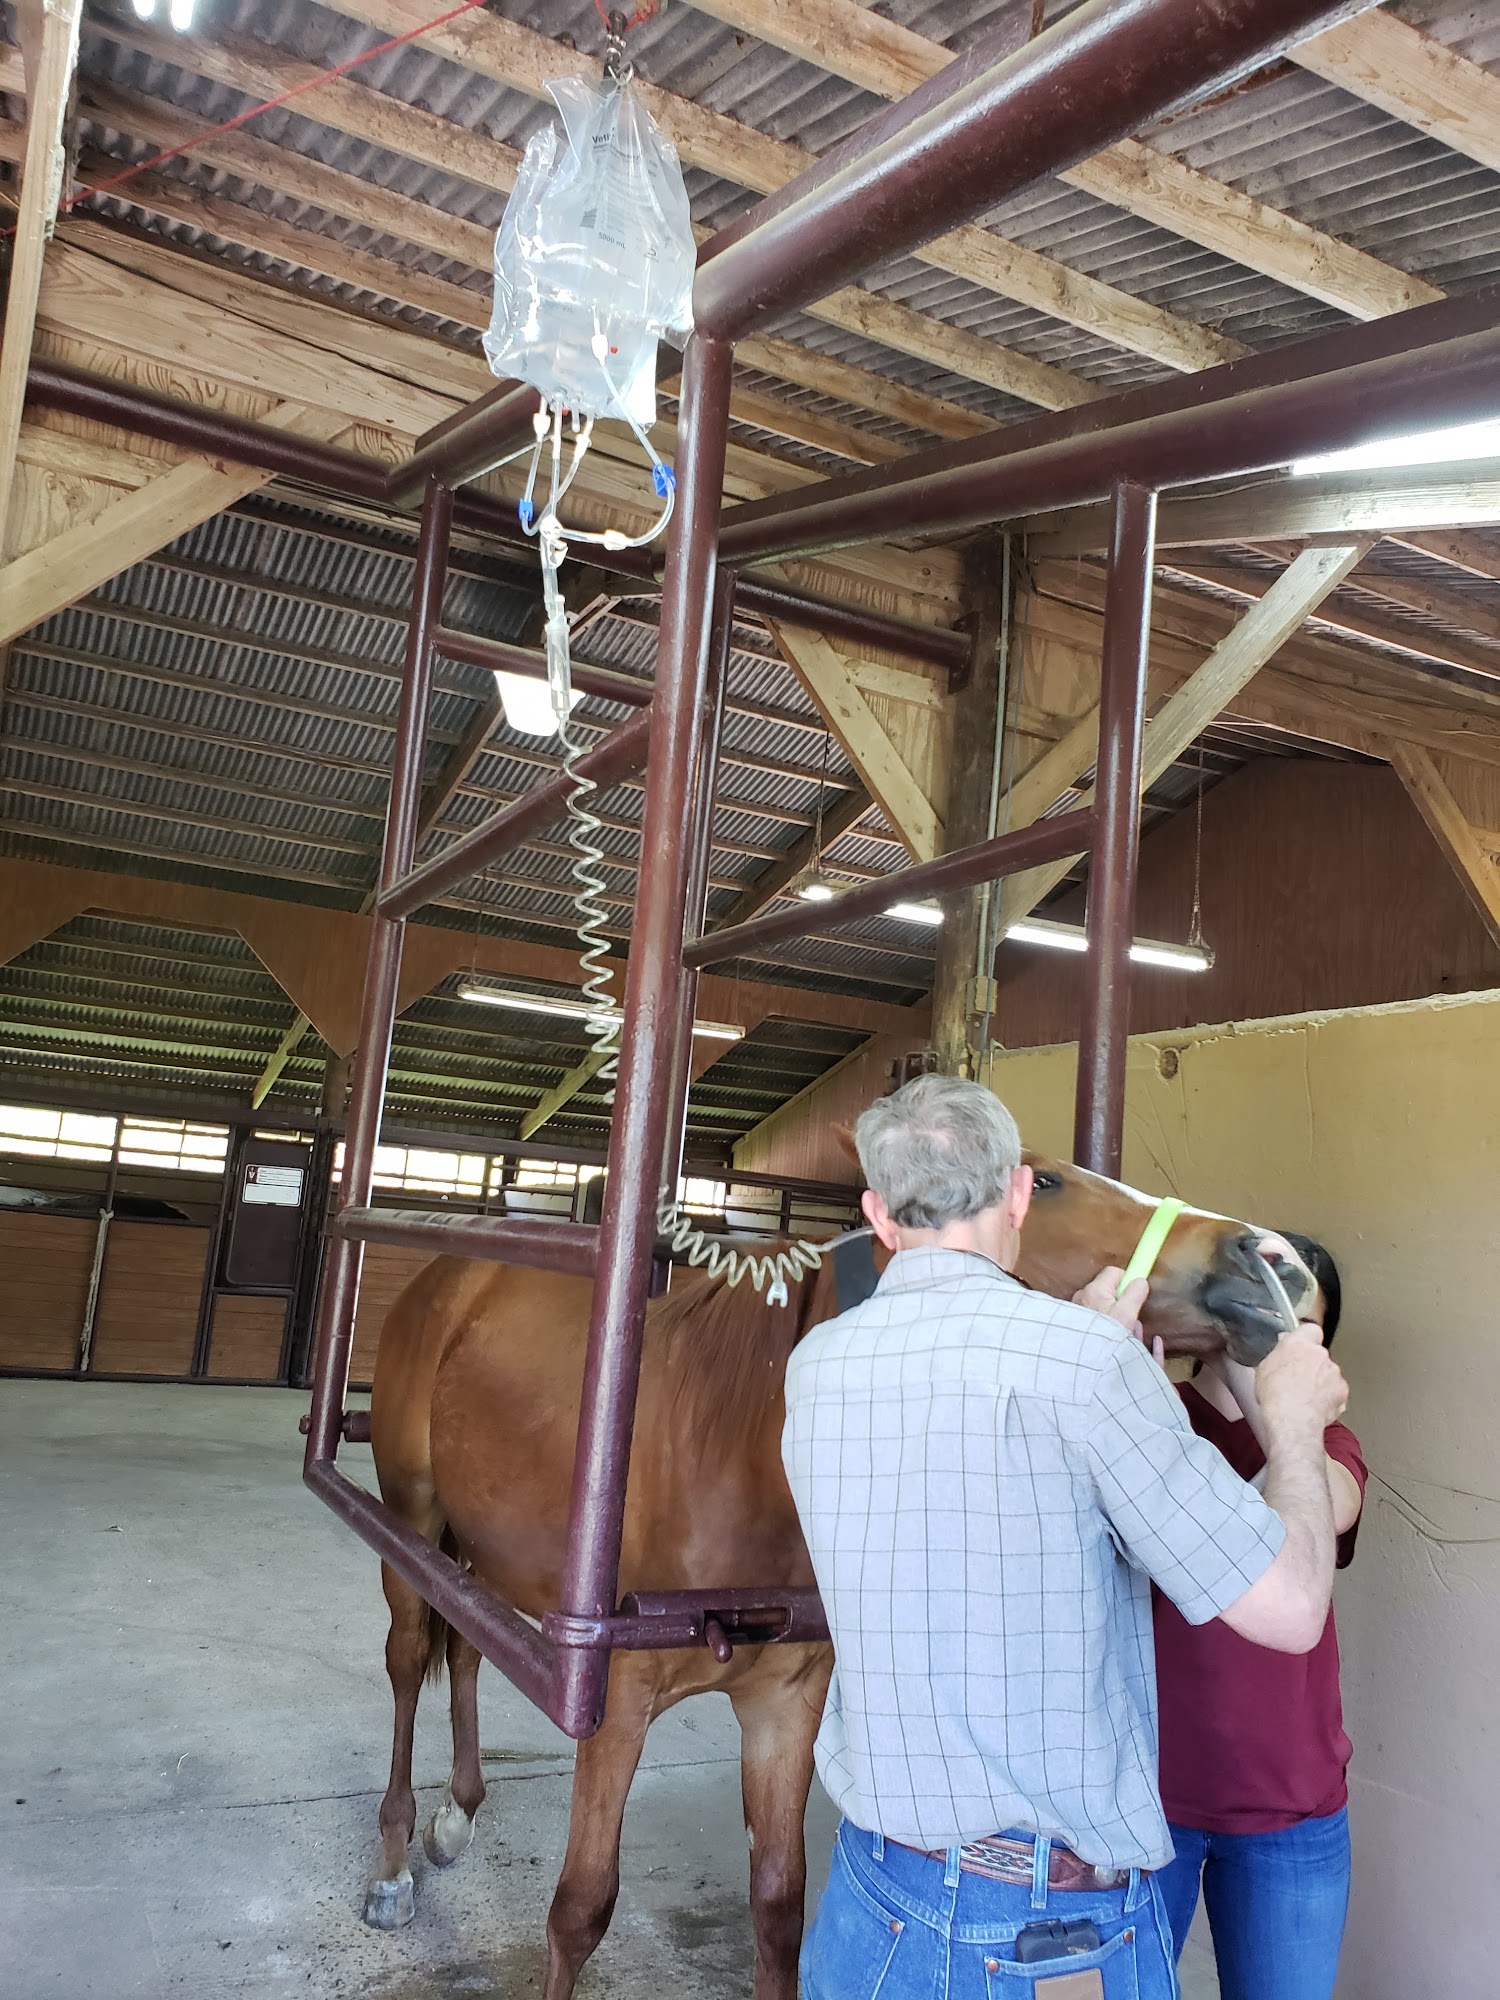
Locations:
(181, 15)
(575, 1010)
(1143, 951)
(528, 704)
(916, 913)
(1444, 447)
(145, 9)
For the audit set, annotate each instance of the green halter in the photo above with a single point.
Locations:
(1153, 1236)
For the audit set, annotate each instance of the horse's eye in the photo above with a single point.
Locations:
(1044, 1182)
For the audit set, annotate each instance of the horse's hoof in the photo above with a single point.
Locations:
(390, 1905)
(447, 1835)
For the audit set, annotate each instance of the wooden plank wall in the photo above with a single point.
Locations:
(1321, 888)
(247, 1332)
(45, 1261)
(148, 1299)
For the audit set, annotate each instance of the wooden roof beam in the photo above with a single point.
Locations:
(852, 41)
(41, 189)
(515, 56)
(1416, 78)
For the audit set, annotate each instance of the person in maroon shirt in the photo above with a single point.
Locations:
(1253, 1750)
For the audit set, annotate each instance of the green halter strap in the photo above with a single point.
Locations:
(1153, 1236)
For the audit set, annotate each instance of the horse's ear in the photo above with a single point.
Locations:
(844, 1136)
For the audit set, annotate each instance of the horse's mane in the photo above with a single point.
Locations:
(725, 1354)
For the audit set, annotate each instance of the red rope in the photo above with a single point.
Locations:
(270, 104)
(647, 11)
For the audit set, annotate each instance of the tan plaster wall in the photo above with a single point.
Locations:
(1378, 1131)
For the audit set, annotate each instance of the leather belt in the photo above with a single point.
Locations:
(999, 1858)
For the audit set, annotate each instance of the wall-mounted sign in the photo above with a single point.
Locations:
(273, 1187)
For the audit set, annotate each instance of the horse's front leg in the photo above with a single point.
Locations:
(590, 1881)
(779, 1706)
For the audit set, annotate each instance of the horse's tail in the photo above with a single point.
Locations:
(437, 1625)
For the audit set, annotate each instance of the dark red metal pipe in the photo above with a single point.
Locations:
(1327, 353)
(653, 995)
(620, 755)
(500, 656)
(1007, 854)
(705, 789)
(501, 1239)
(1099, 74)
(847, 621)
(339, 1290)
(52, 385)
(1456, 382)
(1099, 1112)
(522, 1654)
(470, 443)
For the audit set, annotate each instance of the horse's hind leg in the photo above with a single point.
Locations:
(451, 1828)
(389, 1901)
(778, 1706)
(590, 1880)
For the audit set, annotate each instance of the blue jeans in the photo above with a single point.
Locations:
(1276, 1905)
(894, 1924)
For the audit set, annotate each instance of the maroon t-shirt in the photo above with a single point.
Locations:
(1252, 1741)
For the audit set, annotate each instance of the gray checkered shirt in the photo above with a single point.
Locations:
(989, 1479)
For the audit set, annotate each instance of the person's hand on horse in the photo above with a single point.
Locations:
(1099, 1295)
(1299, 1385)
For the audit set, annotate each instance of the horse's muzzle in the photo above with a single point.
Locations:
(1240, 1298)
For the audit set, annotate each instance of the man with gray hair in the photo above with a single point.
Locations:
(989, 1480)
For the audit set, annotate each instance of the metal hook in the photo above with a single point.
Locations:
(618, 68)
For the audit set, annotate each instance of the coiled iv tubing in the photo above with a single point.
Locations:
(768, 1271)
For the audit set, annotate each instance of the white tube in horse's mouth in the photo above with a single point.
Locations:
(1271, 1246)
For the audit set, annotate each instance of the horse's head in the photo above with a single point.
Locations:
(1209, 1288)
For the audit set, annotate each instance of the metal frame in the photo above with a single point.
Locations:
(985, 127)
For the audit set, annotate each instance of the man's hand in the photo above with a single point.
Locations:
(1099, 1296)
(1300, 1387)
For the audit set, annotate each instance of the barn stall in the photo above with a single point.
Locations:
(231, 361)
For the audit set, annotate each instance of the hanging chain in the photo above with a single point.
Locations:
(1195, 928)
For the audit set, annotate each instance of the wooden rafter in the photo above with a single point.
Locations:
(830, 680)
(60, 571)
(852, 41)
(1334, 505)
(1379, 57)
(369, 115)
(1473, 863)
(1258, 636)
(41, 189)
(522, 60)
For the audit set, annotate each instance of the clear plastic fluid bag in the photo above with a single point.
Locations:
(596, 240)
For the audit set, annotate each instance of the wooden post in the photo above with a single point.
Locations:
(972, 791)
(41, 189)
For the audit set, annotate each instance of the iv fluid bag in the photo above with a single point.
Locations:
(596, 236)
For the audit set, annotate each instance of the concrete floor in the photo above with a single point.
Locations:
(200, 1729)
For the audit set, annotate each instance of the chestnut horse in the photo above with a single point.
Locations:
(473, 1419)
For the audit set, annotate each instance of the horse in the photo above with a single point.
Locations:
(473, 1419)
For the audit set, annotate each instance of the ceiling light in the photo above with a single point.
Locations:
(1443, 447)
(1143, 951)
(575, 1010)
(145, 9)
(813, 886)
(916, 913)
(528, 704)
(180, 13)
